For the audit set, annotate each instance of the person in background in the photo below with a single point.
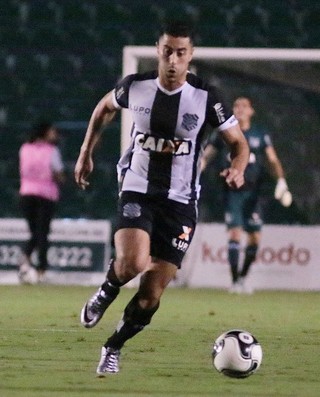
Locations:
(159, 180)
(242, 209)
(41, 173)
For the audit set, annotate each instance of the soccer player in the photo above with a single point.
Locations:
(159, 179)
(242, 210)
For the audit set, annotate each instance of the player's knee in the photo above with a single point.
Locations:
(150, 294)
(152, 285)
(235, 234)
(128, 266)
(137, 313)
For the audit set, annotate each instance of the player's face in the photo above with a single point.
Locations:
(175, 54)
(242, 109)
(52, 135)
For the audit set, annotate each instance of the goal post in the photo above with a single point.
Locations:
(134, 57)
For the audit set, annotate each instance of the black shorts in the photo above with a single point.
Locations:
(170, 224)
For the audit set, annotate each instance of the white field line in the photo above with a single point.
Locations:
(39, 330)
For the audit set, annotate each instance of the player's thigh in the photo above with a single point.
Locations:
(235, 233)
(252, 213)
(234, 209)
(132, 248)
(29, 206)
(134, 225)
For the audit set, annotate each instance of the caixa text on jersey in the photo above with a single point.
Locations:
(178, 147)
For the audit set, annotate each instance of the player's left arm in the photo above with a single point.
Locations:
(239, 153)
(281, 192)
(274, 162)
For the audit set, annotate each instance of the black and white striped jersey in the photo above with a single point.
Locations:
(167, 133)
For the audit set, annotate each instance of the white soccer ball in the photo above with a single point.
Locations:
(28, 274)
(237, 353)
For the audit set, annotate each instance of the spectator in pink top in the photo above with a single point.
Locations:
(41, 173)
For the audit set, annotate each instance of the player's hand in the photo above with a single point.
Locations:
(282, 193)
(83, 169)
(233, 177)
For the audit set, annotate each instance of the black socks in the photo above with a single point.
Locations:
(250, 256)
(233, 256)
(134, 319)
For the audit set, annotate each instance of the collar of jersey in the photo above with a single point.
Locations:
(167, 91)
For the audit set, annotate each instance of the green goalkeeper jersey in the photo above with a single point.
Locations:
(258, 139)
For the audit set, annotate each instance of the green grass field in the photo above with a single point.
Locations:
(44, 351)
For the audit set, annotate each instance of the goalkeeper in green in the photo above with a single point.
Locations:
(242, 207)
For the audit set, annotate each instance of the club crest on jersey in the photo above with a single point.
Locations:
(190, 121)
(182, 242)
(254, 142)
(177, 147)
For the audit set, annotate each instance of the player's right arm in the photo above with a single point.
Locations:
(102, 115)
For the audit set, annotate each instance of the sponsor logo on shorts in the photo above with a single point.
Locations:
(183, 240)
(132, 210)
(255, 219)
(177, 147)
(227, 217)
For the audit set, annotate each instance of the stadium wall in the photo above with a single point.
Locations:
(80, 251)
(287, 259)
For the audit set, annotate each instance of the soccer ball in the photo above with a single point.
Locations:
(236, 353)
(27, 274)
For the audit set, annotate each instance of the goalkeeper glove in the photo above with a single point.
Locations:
(282, 193)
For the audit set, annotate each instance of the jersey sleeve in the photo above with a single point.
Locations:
(218, 114)
(56, 161)
(267, 140)
(121, 92)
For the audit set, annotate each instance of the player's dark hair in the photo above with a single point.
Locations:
(178, 28)
(39, 130)
(247, 97)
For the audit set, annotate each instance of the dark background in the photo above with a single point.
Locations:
(58, 58)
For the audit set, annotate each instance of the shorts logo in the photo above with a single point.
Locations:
(228, 218)
(132, 210)
(190, 121)
(182, 242)
(186, 233)
(255, 219)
